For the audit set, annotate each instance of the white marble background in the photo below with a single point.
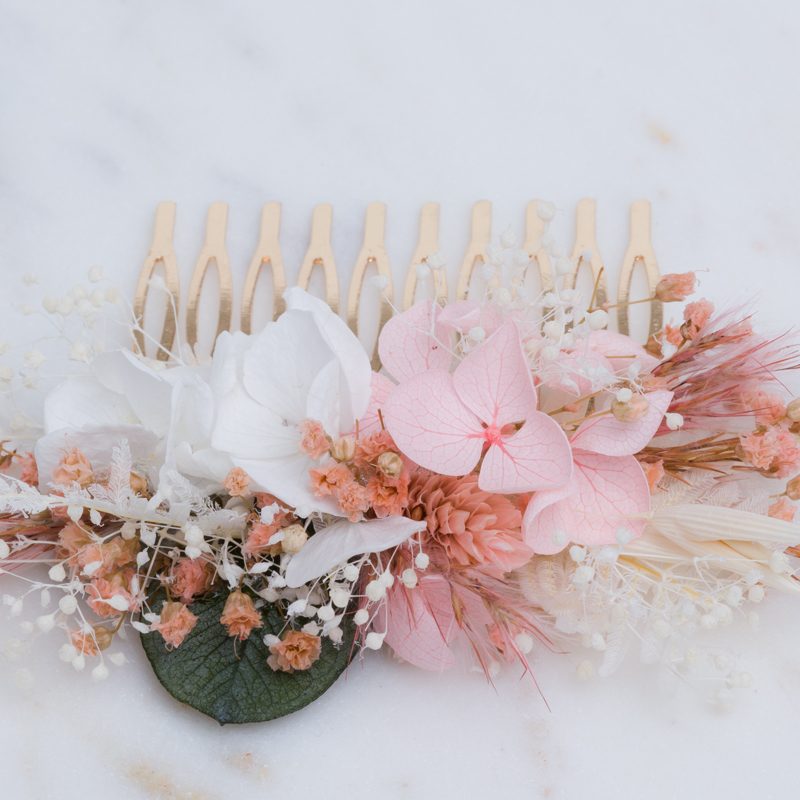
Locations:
(109, 106)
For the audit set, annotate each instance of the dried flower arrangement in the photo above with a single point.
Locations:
(517, 476)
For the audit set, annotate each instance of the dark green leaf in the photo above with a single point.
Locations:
(229, 680)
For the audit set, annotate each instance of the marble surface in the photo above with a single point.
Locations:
(110, 106)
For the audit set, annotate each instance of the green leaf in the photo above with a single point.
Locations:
(229, 680)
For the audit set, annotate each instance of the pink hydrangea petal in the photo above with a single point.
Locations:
(463, 315)
(537, 456)
(612, 437)
(431, 426)
(621, 350)
(494, 381)
(421, 623)
(370, 422)
(605, 494)
(413, 342)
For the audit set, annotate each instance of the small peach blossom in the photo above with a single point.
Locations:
(240, 615)
(675, 287)
(654, 472)
(696, 315)
(176, 623)
(74, 467)
(772, 450)
(72, 538)
(191, 577)
(91, 643)
(297, 651)
(353, 499)
(101, 590)
(769, 409)
(388, 496)
(314, 442)
(237, 482)
(329, 477)
(783, 509)
(370, 447)
(112, 555)
(29, 472)
(258, 537)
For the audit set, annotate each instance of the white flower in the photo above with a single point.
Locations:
(306, 365)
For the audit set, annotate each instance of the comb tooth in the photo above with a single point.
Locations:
(427, 245)
(640, 251)
(214, 249)
(373, 252)
(267, 254)
(320, 254)
(586, 242)
(480, 236)
(162, 251)
(534, 232)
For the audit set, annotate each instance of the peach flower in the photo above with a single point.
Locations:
(74, 467)
(239, 615)
(112, 555)
(354, 499)
(29, 472)
(772, 450)
(176, 623)
(327, 478)
(237, 482)
(675, 287)
(673, 335)
(296, 652)
(257, 541)
(467, 527)
(314, 442)
(696, 315)
(101, 590)
(769, 409)
(72, 539)
(90, 644)
(388, 496)
(191, 577)
(370, 447)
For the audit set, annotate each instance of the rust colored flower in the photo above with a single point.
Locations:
(675, 287)
(74, 467)
(467, 527)
(176, 623)
(239, 615)
(296, 652)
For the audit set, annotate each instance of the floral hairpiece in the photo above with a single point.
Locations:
(517, 476)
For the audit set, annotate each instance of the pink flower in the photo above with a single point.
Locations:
(783, 509)
(296, 652)
(112, 555)
(773, 450)
(673, 335)
(237, 482)
(675, 287)
(769, 409)
(467, 527)
(74, 467)
(370, 448)
(314, 441)
(257, 541)
(696, 315)
(90, 643)
(239, 615)
(72, 539)
(176, 623)
(191, 577)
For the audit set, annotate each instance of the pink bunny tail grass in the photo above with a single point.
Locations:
(709, 373)
(29, 540)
